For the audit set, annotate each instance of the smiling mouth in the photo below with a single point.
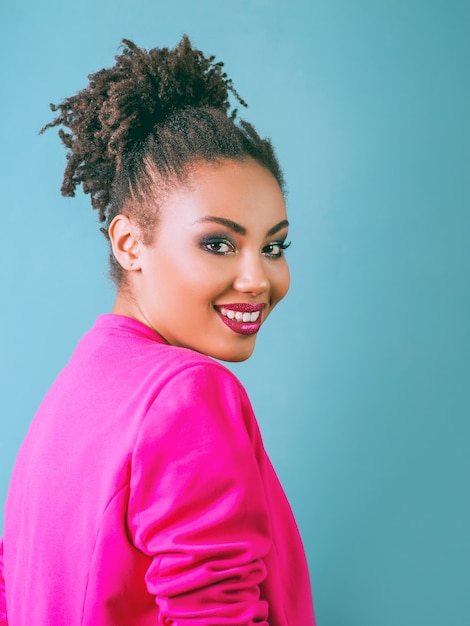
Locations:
(242, 318)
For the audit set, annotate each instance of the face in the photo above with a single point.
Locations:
(216, 267)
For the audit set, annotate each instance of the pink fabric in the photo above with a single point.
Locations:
(3, 608)
(143, 495)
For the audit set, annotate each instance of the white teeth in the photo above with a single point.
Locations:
(239, 316)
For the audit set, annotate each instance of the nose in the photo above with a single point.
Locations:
(251, 277)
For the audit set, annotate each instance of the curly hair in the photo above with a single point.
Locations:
(168, 108)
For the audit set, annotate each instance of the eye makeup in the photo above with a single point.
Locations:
(217, 244)
(279, 246)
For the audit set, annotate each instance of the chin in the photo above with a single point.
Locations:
(236, 356)
(235, 359)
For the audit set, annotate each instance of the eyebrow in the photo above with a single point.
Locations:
(238, 228)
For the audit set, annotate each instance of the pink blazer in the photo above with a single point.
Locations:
(142, 495)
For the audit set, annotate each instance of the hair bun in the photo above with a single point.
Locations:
(122, 105)
(145, 87)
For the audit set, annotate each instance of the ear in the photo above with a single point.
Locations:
(125, 242)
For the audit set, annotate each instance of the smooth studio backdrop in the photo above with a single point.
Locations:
(360, 380)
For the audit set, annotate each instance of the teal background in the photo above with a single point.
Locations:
(361, 379)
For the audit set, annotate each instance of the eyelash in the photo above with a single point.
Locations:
(216, 241)
(219, 241)
(282, 245)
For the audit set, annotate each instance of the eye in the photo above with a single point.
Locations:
(275, 249)
(217, 246)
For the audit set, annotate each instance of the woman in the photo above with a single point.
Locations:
(142, 493)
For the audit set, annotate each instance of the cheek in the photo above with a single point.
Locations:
(179, 272)
(194, 282)
(207, 276)
(280, 282)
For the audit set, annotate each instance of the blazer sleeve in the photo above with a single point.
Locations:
(197, 504)
(3, 604)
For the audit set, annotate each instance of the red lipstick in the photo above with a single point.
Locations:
(247, 323)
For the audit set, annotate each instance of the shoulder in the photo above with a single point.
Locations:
(199, 394)
(125, 345)
(201, 404)
(200, 374)
(135, 363)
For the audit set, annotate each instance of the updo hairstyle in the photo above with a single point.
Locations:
(152, 116)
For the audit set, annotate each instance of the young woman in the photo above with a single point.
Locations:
(142, 493)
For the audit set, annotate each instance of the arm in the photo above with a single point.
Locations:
(3, 606)
(197, 504)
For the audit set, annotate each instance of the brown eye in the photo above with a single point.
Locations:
(275, 249)
(217, 246)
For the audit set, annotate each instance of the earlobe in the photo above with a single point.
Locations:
(125, 242)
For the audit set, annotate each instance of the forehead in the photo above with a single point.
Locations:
(242, 191)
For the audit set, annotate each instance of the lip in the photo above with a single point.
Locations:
(244, 307)
(242, 328)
